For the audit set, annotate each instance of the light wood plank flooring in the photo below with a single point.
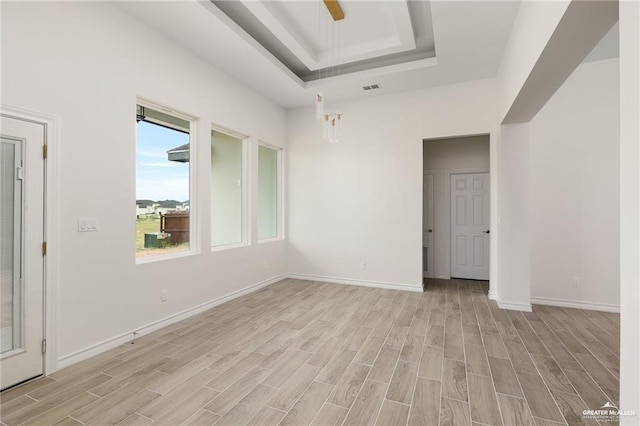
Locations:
(301, 352)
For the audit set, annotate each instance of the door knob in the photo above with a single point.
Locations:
(429, 230)
(486, 232)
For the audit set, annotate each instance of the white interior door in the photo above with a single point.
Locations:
(21, 255)
(470, 226)
(428, 210)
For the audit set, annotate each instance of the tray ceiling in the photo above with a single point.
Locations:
(304, 38)
(283, 48)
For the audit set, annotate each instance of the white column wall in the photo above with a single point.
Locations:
(514, 219)
(630, 209)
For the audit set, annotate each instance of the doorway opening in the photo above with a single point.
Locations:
(456, 208)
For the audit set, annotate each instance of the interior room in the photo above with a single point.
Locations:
(325, 212)
(444, 219)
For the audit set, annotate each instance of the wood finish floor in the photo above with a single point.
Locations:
(300, 352)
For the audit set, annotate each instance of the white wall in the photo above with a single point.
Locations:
(86, 62)
(361, 200)
(629, 208)
(575, 172)
(443, 156)
(559, 197)
(513, 218)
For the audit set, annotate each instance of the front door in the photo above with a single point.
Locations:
(470, 226)
(21, 250)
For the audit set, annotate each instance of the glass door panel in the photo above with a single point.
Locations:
(11, 176)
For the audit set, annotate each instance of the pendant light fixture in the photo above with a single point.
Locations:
(331, 121)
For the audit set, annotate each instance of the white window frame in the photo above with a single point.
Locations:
(194, 235)
(246, 229)
(280, 194)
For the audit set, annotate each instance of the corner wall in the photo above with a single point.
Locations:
(360, 200)
(85, 62)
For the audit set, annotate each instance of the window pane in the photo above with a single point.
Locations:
(226, 189)
(162, 183)
(267, 193)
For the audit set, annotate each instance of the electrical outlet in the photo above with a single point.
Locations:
(575, 281)
(364, 266)
(164, 294)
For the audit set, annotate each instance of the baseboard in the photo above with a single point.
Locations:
(113, 342)
(573, 304)
(511, 306)
(361, 283)
(492, 295)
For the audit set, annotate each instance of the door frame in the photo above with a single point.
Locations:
(447, 216)
(494, 242)
(434, 173)
(51, 231)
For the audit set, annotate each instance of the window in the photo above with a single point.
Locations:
(227, 190)
(268, 193)
(163, 181)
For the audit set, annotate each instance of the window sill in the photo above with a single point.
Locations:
(270, 240)
(228, 247)
(161, 257)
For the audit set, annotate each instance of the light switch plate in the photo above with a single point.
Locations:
(88, 224)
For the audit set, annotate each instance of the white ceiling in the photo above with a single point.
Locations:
(305, 39)
(288, 50)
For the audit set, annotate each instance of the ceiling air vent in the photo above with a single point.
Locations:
(371, 86)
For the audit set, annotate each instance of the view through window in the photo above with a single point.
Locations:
(162, 182)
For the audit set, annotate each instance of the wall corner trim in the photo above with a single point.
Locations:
(591, 306)
(98, 348)
(361, 283)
